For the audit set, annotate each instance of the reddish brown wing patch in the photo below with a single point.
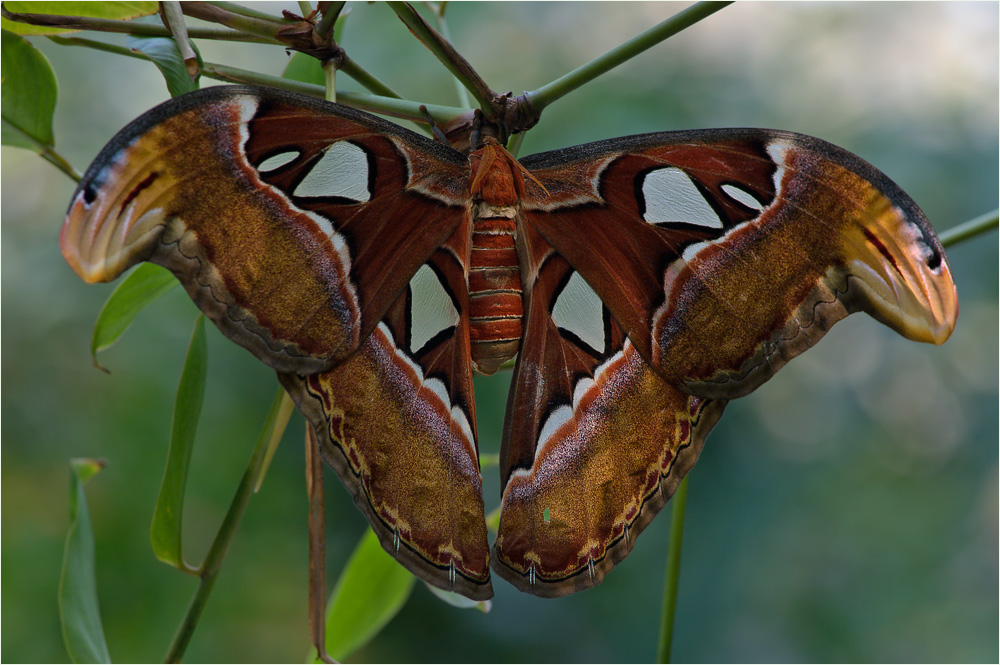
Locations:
(225, 188)
(721, 283)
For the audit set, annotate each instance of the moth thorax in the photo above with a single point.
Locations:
(495, 306)
(496, 177)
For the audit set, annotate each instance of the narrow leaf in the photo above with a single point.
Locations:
(78, 606)
(27, 94)
(104, 10)
(163, 52)
(371, 590)
(165, 531)
(143, 285)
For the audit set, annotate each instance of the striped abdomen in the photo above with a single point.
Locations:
(495, 306)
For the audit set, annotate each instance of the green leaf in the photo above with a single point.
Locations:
(165, 531)
(78, 607)
(304, 68)
(28, 90)
(370, 591)
(143, 285)
(106, 10)
(167, 57)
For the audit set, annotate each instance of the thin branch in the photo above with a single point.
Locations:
(679, 502)
(399, 108)
(317, 545)
(449, 57)
(96, 45)
(209, 569)
(330, 80)
(127, 27)
(368, 80)
(325, 27)
(244, 10)
(463, 94)
(267, 28)
(970, 229)
(562, 86)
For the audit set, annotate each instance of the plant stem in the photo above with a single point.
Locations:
(970, 229)
(174, 18)
(448, 56)
(262, 27)
(329, 19)
(330, 80)
(673, 572)
(243, 10)
(209, 569)
(129, 27)
(96, 45)
(365, 78)
(463, 94)
(547, 94)
(399, 108)
(317, 545)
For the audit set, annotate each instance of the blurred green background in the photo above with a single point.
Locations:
(847, 511)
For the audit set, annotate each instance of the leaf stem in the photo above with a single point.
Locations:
(60, 162)
(679, 502)
(970, 229)
(96, 45)
(48, 154)
(562, 86)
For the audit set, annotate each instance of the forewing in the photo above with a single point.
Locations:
(293, 223)
(725, 253)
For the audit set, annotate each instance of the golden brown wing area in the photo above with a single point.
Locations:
(602, 469)
(740, 248)
(831, 244)
(277, 233)
(408, 456)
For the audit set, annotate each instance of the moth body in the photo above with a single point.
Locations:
(495, 294)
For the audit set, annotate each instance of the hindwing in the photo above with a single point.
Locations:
(595, 441)
(397, 422)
